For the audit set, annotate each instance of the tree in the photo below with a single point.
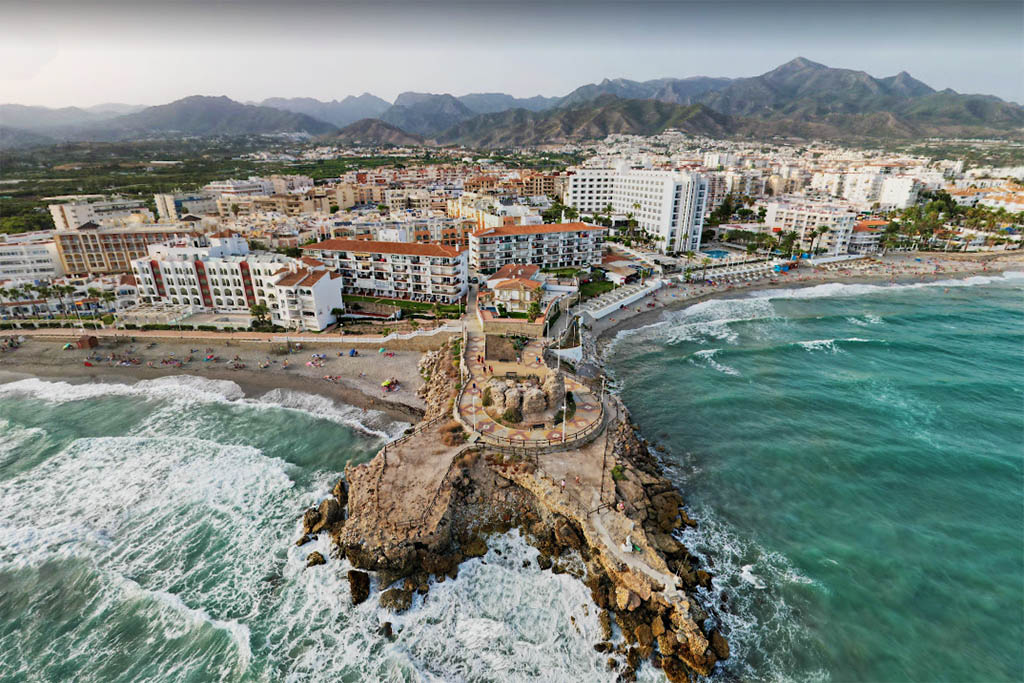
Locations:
(261, 313)
(108, 298)
(816, 235)
(704, 272)
(533, 311)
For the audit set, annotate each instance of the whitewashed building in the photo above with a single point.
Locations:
(220, 274)
(431, 273)
(668, 204)
(558, 245)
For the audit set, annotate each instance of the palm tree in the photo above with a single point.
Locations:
(108, 298)
(705, 262)
(770, 244)
(816, 235)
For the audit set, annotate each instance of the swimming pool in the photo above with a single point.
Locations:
(716, 253)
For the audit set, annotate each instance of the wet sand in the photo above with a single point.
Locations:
(357, 380)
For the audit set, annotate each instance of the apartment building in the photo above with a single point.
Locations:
(29, 256)
(172, 206)
(396, 270)
(239, 188)
(220, 274)
(348, 195)
(92, 249)
(398, 201)
(109, 212)
(805, 216)
(668, 204)
(867, 236)
(284, 204)
(559, 245)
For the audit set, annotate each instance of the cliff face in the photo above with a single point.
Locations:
(420, 508)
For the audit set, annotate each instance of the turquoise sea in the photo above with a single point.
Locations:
(147, 534)
(855, 456)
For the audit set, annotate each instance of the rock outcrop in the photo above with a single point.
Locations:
(359, 585)
(656, 610)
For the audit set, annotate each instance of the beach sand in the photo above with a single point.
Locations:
(358, 379)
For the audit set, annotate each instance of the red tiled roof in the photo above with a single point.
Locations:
(292, 279)
(517, 283)
(377, 247)
(538, 229)
(518, 270)
(870, 226)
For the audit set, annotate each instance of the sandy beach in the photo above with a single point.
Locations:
(903, 267)
(353, 380)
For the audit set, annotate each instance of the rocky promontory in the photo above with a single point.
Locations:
(602, 512)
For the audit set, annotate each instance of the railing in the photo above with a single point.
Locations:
(535, 446)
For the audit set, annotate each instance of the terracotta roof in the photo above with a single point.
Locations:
(127, 280)
(519, 270)
(310, 261)
(538, 229)
(377, 247)
(224, 233)
(870, 226)
(517, 283)
(292, 279)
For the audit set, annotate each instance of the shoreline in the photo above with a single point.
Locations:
(253, 383)
(607, 329)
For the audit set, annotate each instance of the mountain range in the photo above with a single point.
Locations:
(801, 99)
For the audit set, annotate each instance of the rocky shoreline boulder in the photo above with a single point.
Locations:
(359, 586)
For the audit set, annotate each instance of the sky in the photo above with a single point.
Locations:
(87, 52)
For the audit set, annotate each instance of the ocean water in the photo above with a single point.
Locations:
(147, 534)
(855, 456)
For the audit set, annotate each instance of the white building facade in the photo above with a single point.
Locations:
(559, 245)
(667, 204)
(431, 273)
(805, 217)
(220, 274)
(29, 257)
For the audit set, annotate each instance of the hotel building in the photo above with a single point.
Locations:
(804, 217)
(559, 245)
(668, 204)
(396, 270)
(220, 274)
(92, 249)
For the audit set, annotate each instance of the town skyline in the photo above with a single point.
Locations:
(54, 58)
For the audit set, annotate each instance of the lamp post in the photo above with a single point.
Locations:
(564, 415)
(474, 412)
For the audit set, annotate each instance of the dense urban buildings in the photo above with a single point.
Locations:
(92, 249)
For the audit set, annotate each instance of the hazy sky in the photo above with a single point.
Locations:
(59, 53)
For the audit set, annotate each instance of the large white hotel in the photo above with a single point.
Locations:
(558, 245)
(667, 204)
(431, 273)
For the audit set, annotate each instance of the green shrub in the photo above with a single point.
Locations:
(617, 473)
(486, 399)
(512, 416)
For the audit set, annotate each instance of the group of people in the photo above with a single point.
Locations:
(9, 344)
